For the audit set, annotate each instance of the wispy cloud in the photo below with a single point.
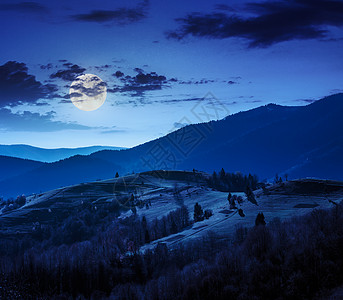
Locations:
(29, 121)
(24, 7)
(120, 16)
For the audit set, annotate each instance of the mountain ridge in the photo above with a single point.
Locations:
(270, 139)
(49, 155)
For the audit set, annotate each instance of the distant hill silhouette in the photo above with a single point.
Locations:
(11, 166)
(76, 169)
(49, 155)
(302, 141)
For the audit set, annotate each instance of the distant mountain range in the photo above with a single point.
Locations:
(49, 155)
(302, 141)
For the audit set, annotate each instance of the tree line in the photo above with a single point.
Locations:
(232, 182)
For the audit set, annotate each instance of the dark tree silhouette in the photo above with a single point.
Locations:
(241, 213)
(21, 200)
(250, 195)
(198, 213)
(260, 220)
(208, 213)
(222, 174)
(232, 182)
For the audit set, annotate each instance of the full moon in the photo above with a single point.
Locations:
(88, 92)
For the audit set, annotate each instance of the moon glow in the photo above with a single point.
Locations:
(88, 92)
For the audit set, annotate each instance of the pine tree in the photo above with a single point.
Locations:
(229, 198)
(250, 195)
(222, 174)
(260, 220)
(132, 200)
(198, 213)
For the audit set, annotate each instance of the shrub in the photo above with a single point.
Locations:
(208, 213)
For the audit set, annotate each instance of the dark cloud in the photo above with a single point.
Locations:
(74, 94)
(68, 64)
(17, 86)
(68, 74)
(24, 7)
(196, 82)
(231, 82)
(118, 74)
(143, 82)
(151, 78)
(79, 89)
(171, 101)
(272, 22)
(118, 16)
(138, 70)
(102, 68)
(150, 100)
(139, 84)
(29, 121)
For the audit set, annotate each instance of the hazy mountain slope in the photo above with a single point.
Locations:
(284, 145)
(76, 169)
(11, 166)
(141, 158)
(49, 155)
(267, 140)
(325, 162)
(195, 139)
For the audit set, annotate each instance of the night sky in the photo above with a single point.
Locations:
(159, 60)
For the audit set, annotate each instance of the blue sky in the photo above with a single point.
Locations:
(159, 59)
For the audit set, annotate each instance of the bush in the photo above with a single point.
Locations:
(21, 200)
(208, 213)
